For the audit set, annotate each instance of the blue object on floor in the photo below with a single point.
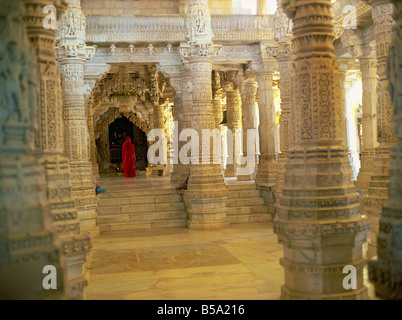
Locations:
(100, 190)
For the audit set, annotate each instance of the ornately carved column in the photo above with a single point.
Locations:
(343, 70)
(218, 94)
(49, 147)
(234, 122)
(285, 59)
(72, 54)
(266, 172)
(318, 222)
(248, 91)
(378, 185)
(205, 196)
(386, 271)
(26, 247)
(368, 69)
(175, 83)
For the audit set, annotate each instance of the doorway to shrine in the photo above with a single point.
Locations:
(118, 130)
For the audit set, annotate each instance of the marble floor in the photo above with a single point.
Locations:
(238, 263)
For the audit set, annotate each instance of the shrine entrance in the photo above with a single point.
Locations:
(118, 130)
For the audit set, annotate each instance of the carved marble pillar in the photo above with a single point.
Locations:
(72, 54)
(261, 6)
(186, 118)
(234, 123)
(178, 79)
(318, 221)
(26, 246)
(368, 68)
(285, 58)
(248, 91)
(90, 117)
(49, 146)
(178, 118)
(218, 94)
(205, 197)
(183, 5)
(266, 172)
(378, 185)
(343, 70)
(386, 271)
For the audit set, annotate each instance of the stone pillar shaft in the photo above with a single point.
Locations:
(267, 129)
(24, 208)
(72, 54)
(49, 147)
(385, 271)
(234, 123)
(248, 97)
(318, 218)
(368, 68)
(205, 197)
(377, 193)
(285, 122)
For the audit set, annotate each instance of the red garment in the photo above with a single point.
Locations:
(128, 152)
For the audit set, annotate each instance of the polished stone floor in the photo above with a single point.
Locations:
(238, 263)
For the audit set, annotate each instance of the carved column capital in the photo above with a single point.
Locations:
(71, 35)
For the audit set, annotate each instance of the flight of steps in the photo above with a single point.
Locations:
(140, 207)
(245, 203)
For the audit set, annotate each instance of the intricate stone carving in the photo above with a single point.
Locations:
(385, 271)
(24, 207)
(72, 54)
(266, 172)
(318, 166)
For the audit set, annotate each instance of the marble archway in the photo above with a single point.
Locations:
(103, 143)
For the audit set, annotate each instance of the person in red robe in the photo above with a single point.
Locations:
(128, 155)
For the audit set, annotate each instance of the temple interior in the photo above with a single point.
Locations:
(267, 138)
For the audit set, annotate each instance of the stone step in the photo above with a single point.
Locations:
(116, 192)
(241, 202)
(241, 186)
(250, 218)
(243, 194)
(142, 217)
(142, 208)
(148, 225)
(138, 200)
(247, 210)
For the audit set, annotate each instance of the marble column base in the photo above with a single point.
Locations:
(319, 224)
(377, 194)
(26, 246)
(266, 172)
(206, 214)
(365, 172)
(86, 201)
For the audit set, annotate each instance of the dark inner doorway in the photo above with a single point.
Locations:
(118, 130)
